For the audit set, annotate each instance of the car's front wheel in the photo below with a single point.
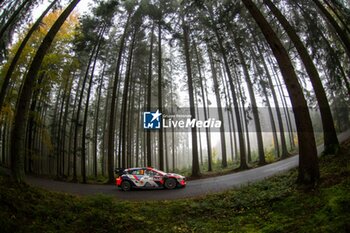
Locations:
(126, 186)
(170, 183)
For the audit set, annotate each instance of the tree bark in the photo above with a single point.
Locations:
(259, 138)
(242, 147)
(160, 97)
(195, 162)
(77, 119)
(205, 109)
(331, 143)
(113, 105)
(149, 97)
(22, 109)
(231, 120)
(272, 120)
(83, 142)
(243, 160)
(308, 161)
(65, 123)
(199, 133)
(124, 101)
(59, 129)
(284, 153)
(98, 109)
(220, 109)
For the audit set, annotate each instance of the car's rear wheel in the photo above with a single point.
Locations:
(126, 186)
(170, 183)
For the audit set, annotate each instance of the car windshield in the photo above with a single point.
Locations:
(158, 171)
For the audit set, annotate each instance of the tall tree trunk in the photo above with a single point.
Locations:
(55, 128)
(138, 128)
(118, 141)
(205, 103)
(284, 153)
(308, 161)
(105, 129)
(125, 100)
(272, 120)
(111, 133)
(64, 127)
(83, 152)
(144, 162)
(86, 111)
(285, 109)
(172, 112)
(131, 120)
(243, 160)
(244, 117)
(60, 130)
(261, 153)
(166, 152)
(199, 133)
(22, 109)
(160, 97)
(149, 97)
(242, 148)
(230, 117)
(72, 130)
(77, 119)
(195, 162)
(218, 102)
(31, 125)
(207, 111)
(98, 109)
(330, 136)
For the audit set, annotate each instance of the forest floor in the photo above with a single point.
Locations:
(276, 204)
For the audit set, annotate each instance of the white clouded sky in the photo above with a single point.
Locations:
(83, 6)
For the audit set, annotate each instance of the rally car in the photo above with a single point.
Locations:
(147, 178)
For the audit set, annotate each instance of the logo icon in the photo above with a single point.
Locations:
(152, 120)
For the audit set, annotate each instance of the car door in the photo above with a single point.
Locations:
(145, 179)
(136, 177)
(157, 178)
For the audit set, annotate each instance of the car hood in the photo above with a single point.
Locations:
(174, 175)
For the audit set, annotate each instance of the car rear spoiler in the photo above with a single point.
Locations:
(119, 171)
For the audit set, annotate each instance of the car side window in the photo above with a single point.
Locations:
(148, 173)
(137, 172)
(152, 173)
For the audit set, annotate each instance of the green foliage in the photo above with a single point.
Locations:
(270, 155)
(272, 205)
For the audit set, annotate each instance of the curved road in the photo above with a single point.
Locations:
(194, 188)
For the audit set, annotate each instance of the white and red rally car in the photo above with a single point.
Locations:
(147, 178)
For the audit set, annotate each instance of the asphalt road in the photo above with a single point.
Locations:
(194, 188)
